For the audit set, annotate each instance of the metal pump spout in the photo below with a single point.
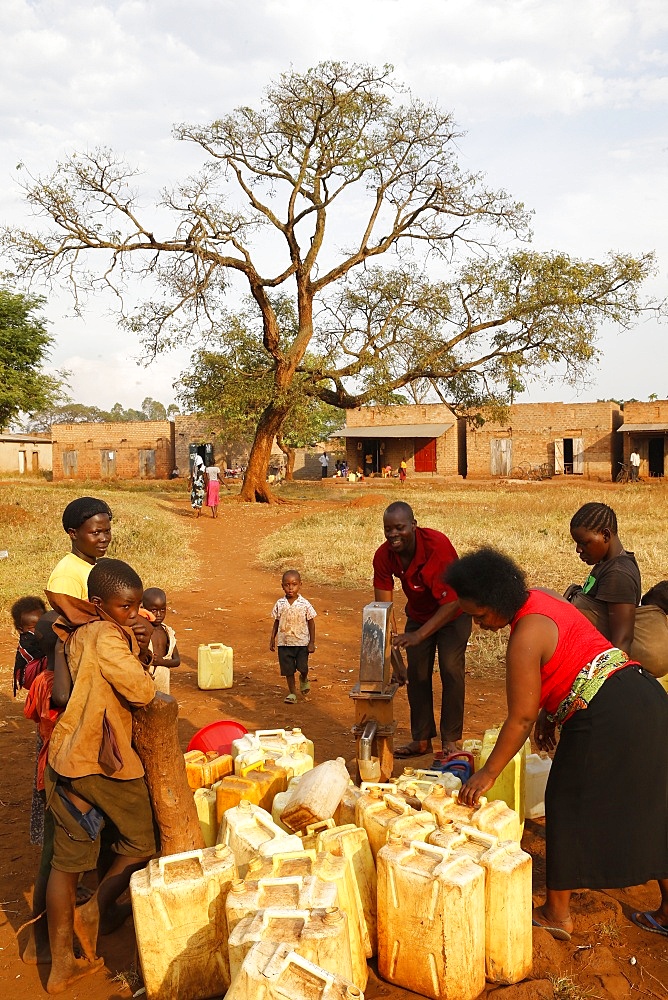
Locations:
(366, 740)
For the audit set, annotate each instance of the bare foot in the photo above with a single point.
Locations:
(86, 926)
(64, 976)
(451, 747)
(546, 920)
(37, 950)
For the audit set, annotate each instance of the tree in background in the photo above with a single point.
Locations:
(338, 168)
(24, 348)
(232, 381)
(70, 412)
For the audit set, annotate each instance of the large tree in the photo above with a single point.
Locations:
(24, 348)
(337, 168)
(231, 380)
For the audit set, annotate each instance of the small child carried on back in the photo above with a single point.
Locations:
(163, 640)
(294, 633)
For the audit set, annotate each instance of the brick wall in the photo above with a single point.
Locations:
(652, 446)
(531, 430)
(139, 449)
(394, 449)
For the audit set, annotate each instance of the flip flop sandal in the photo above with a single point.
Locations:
(304, 687)
(557, 932)
(409, 750)
(652, 926)
(291, 699)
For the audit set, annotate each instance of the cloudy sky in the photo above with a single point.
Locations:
(564, 104)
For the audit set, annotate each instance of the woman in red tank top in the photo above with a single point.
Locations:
(606, 814)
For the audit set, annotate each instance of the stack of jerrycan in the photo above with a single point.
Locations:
(277, 743)
(508, 904)
(214, 666)
(249, 831)
(431, 920)
(202, 771)
(289, 892)
(336, 870)
(273, 972)
(258, 782)
(510, 786)
(352, 843)
(178, 904)
(489, 817)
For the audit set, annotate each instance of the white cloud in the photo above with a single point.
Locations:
(564, 102)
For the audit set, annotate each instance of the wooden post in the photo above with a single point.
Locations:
(155, 738)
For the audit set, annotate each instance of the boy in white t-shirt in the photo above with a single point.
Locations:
(294, 633)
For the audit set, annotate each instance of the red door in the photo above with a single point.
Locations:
(425, 454)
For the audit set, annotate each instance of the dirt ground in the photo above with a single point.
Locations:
(607, 957)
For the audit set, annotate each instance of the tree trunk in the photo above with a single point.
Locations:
(155, 738)
(255, 488)
(289, 456)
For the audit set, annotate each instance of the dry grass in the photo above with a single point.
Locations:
(145, 534)
(528, 521)
(565, 988)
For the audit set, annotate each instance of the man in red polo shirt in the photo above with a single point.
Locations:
(418, 557)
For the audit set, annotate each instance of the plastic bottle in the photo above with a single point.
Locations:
(178, 904)
(537, 772)
(431, 921)
(317, 795)
(273, 972)
(214, 666)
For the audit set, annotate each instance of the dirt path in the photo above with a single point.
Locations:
(232, 603)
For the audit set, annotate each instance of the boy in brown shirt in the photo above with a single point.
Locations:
(94, 776)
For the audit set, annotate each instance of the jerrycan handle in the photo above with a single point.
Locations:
(216, 645)
(245, 769)
(485, 839)
(173, 859)
(389, 786)
(422, 847)
(323, 824)
(269, 732)
(291, 856)
(314, 971)
(482, 801)
(397, 804)
(282, 913)
(280, 880)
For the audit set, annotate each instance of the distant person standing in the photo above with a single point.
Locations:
(197, 485)
(211, 478)
(402, 471)
(324, 464)
(635, 466)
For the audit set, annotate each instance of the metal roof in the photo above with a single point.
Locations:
(642, 428)
(396, 431)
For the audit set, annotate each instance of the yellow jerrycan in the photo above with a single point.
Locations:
(273, 971)
(214, 666)
(431, 921)
(293, 892)
(415, 826)
(309, 837)
(317, 795)
(249, 830)
(270, 778)
(317, 935)
(205, 803)
(345, 811)
(231, 790)
(351, 842)
(178, 903)
(375, 815)
(203, 769)
(450, 782)
(490, 817)
(473, 747)
(508, 904)
(510, 786)
(450, 838)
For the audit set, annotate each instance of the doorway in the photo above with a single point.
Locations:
(205, 452)
(371, 452)
(655, 455)
(425, 455)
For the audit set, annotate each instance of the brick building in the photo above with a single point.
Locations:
(645, 430)
(142, 449)
(425, 435)
(568, 438)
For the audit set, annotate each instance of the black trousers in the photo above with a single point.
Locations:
(450, 641)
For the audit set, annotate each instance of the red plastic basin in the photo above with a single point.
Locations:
(217, 736)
